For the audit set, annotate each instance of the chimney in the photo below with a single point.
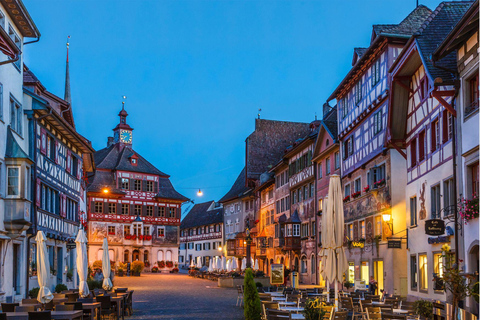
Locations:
(109, 142)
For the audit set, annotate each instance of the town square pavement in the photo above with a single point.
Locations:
(178, 296)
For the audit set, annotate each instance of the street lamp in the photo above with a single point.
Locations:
(199, 193)
(387, 218)
(248, 240)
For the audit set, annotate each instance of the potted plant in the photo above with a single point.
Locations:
(169, 264)
(423, 308)
(60, 287)
(313, 310)
(154, 269)
(175, 270)
(137, 267)
(33, 293)
(121, 269)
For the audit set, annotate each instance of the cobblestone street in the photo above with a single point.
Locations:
(178, 296)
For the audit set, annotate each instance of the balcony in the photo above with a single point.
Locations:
(17, 216)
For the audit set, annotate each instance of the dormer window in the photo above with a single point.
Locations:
(134, 161)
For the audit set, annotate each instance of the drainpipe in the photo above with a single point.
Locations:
(316, 222)
(33, 41)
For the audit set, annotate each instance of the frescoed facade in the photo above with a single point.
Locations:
(373, 177)
(132, 204)
(421, 122)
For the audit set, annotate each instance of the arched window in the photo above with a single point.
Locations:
(99, 254)
(126, 255)
(160, 255)
(168, 255)
(304, 265)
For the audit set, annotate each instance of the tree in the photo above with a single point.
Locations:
(252, 305)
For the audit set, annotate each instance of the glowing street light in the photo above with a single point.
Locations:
(199, 193)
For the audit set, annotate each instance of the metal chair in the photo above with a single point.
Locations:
(277, 314)
(9, 307)
(25, 308)
(3, 316)
(40, 315)
(340, 315)
(239, 296)
(394, 316)
(72, 297)
(64, 307)
(374, 313)
(107, 308)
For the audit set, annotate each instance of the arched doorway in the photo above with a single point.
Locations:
(136, 255)
(146, 259)
(126, 256)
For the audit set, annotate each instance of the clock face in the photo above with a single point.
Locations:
(126, 136)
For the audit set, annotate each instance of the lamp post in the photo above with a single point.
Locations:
(248, 239)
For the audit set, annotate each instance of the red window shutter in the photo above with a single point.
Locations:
(57, 152)
(69, 164)
(39, 193)
(43, 141)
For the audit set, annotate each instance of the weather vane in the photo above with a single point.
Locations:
(123, 102)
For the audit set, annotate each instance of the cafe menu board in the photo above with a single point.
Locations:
(434, 227)
(276, 274)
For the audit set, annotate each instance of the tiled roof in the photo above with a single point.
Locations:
(113, 158)
(330, 123)
(167, 191)
(266, 145)
(199, 215)
(409, 25)
(359, 51)
(294, 218)
(238, 189)
(433, 31)
(103, 179)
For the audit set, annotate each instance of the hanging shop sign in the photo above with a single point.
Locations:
(395, 244)
(434, 227)
(357, 244)
(276, 274)
(441, 239)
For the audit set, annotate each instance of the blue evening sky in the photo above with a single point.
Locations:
(196, 72)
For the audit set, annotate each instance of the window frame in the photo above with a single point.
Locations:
(19, 180)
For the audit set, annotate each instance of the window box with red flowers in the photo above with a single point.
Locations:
(140, 237)
(148, 238)
(356, 194)
(128, 237)
(161, 264)
(346, 199)
(133, 237)
(469, 209)
(366, 189)
(169, 264)
(379, 183)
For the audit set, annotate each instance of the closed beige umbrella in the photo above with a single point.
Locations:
(82, 263)
(334, 260)
(43, 269)
(107, 283)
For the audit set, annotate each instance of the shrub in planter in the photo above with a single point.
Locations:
(92, 284)
(313, 310)
(252, 306)
(121, 269)
(60, 287)
(161, 264)
(154, 269)
(137, 267)
(169, 264)
(423, 308)
(33, 293)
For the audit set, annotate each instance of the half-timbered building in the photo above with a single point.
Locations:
(61, 155)
(372, 176)
(132, 204)
(463, 40)
(422, 116)
(326, 161)
(201, 234)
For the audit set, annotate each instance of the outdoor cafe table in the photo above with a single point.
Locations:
(93, 308)
(279, 299)
(59, 300)
(292, 309)
(399, 311)
(297, 316)
(59, 315)
(275, 294)
(118, 302)
(287, 303)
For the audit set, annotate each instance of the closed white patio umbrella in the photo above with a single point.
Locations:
(334, 261)
(256, 265)
(107, 283)
(234, 264)
(224, 263)
(82, 263)
(244, 264)
(229, 265)
(199, 262)
(43, 269)
(210, 266)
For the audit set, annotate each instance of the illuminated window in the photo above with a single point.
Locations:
(125, 183)
(423, 265)
(111, 230)
(161, 232)
(378, 225)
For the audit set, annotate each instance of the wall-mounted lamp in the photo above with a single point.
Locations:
(219, 248)
(387, 218)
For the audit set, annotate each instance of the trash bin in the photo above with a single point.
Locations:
(294, 279)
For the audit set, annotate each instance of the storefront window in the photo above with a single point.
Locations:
(351, 272)
(438, 264)
(321, 281)
(423, 264)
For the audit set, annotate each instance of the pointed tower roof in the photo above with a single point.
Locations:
(67, 96)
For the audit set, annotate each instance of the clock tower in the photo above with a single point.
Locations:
(122, 133)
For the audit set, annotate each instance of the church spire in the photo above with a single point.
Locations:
(67, 96)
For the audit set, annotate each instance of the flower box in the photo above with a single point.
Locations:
(379, 183)
(140, 237)
(366, 189)
(346, 199)
(356, 194)
(147, 238)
